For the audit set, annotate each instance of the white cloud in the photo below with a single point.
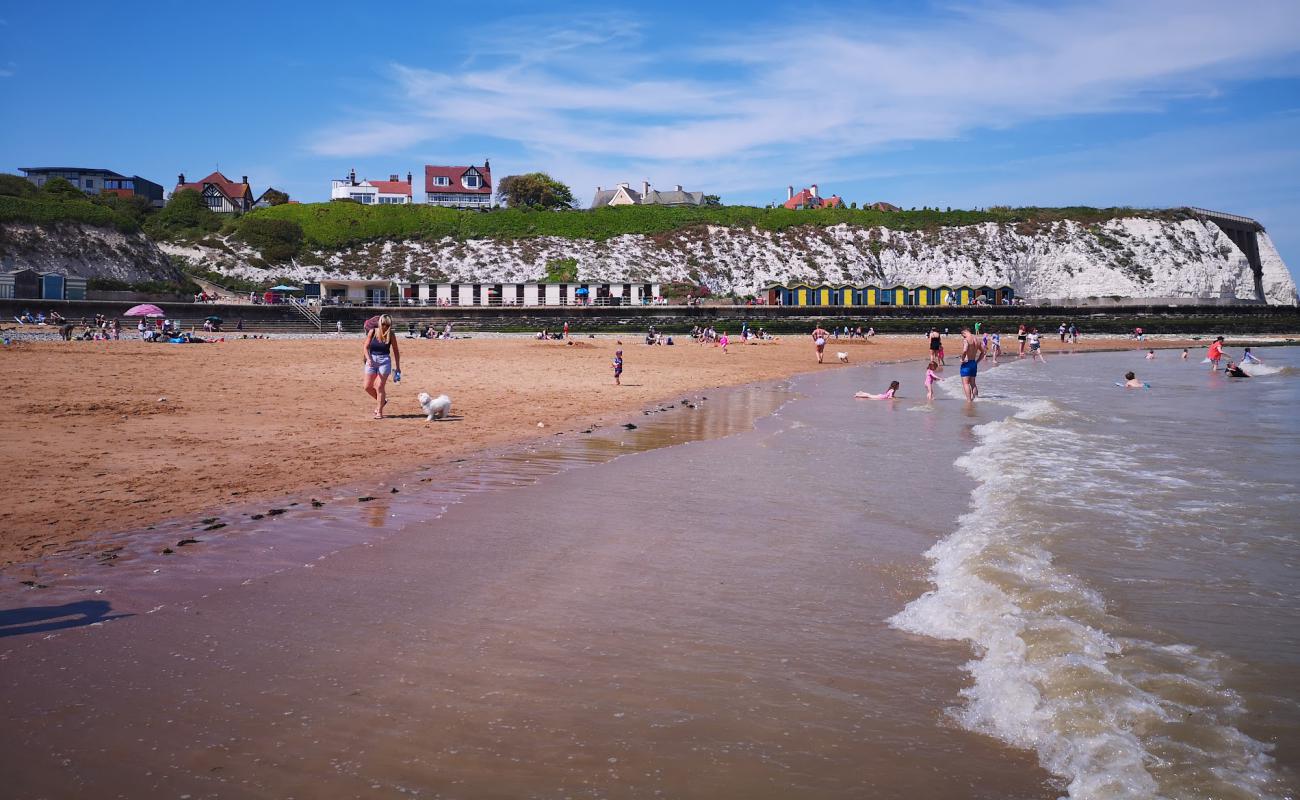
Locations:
(791, 100)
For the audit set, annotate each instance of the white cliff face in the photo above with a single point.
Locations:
(83, 250)
(1130, 257)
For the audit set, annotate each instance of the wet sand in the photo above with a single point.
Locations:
(91, 446)
(705, 620)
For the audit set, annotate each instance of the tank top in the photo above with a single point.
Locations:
(379, 346)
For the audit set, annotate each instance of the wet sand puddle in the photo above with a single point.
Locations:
(701, 620)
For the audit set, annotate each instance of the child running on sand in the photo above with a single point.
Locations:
(888, 394)
(723, 341)
(930, 379)
(618, 367)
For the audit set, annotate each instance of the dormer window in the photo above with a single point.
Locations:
(441, 180)
(472, 180)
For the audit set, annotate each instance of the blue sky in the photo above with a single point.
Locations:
(964, 104)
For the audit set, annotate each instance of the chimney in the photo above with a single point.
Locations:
(679, 187)
(814, 190)
(789, 193)
(408, 176)
(352, 176)
(487, 167)
(180, 178)
(392, 178)
(645, 187)
(625, 185)
(598, 189)
(244, 179)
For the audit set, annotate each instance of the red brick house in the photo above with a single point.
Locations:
(220, 193)
(809, 198)
(458, 187)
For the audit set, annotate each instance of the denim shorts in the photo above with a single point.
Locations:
(379, 365)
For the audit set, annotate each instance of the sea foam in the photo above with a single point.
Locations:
(1113, 715)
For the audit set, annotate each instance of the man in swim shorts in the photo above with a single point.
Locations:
(972, 352)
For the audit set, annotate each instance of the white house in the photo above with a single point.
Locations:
(458, 187)
(624, 195)
(370, 193)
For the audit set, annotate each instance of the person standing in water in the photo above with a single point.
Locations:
(819, 335)
(972, 352)
(1215, 354)
(936, 346)
(1022, 334)
(1249, 358)
(382, 359)
(930, 379)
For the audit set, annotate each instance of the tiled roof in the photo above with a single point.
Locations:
(807, 199)
(233, 191)
(453, 176)
(392, 187)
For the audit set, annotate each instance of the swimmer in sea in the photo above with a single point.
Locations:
(888, 394)
(1249, 358)
(1131, 382)
(1184, 353)
(1151, 354)
(1235, 371)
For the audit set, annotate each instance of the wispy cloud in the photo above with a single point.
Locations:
(801, 97)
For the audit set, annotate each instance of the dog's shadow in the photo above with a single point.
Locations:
(424, 416)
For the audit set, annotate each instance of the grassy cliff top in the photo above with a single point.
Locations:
(340, 224)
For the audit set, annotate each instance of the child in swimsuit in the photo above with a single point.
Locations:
(930, 379)
(1249, 358)
(888, 394)
(618, 367)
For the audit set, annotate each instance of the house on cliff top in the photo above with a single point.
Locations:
(458, 187)
(624, 195)
(810, 198)
(220, 193)
(392, 192)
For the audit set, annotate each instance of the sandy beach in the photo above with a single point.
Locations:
(112, 436)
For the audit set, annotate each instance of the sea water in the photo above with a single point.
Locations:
(1127, 574)
(1066, 588)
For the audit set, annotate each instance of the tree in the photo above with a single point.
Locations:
(185, 213)
(275, 197)
(59, 187)
(135, 207)
(712, 200)
(534, 190)
(16, 186)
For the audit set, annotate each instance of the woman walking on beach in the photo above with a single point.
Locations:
(382, 358)
(819, 340)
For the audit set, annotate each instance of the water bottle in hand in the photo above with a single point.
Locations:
(397, 376)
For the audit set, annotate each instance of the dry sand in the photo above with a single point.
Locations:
(90, 445)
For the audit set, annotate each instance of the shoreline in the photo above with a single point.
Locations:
(88, 510)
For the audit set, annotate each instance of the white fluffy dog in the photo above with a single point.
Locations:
(436, 407)
(843, 357)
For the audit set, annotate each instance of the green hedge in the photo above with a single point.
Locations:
(334, 225)
(52, 210)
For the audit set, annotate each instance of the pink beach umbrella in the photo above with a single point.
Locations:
(146, 310)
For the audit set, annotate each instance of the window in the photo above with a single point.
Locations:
(363, 198)
(90, 183)
(472, 180)
(441, 180)
(213, 200)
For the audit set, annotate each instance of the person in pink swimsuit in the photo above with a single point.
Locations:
(888, 394)
(930, 378)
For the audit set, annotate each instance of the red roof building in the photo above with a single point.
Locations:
(458, 187)
(809, 198)
(220, 193)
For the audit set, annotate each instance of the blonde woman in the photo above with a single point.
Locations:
(382, 358)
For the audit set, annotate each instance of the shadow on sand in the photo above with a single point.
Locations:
(39, 619)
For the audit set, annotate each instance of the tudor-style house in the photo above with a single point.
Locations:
(624, 195)
(459, 187)
(392, 192)
(220, 193)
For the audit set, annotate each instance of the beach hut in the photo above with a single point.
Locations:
(21, 284)
(942, 295)
(1005, 295)
(897, 295)
(985, 295)
(924, 296)
(965, 295)
(848, 295)
(869, 295)
(824, 295)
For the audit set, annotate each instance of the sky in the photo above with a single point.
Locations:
(1157, 103)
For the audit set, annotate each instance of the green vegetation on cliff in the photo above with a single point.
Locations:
(338, 225)
(53, 209)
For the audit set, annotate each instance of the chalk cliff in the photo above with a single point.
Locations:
(85, 250)
(1131, 257)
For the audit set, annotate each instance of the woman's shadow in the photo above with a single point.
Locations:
(38, 619)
